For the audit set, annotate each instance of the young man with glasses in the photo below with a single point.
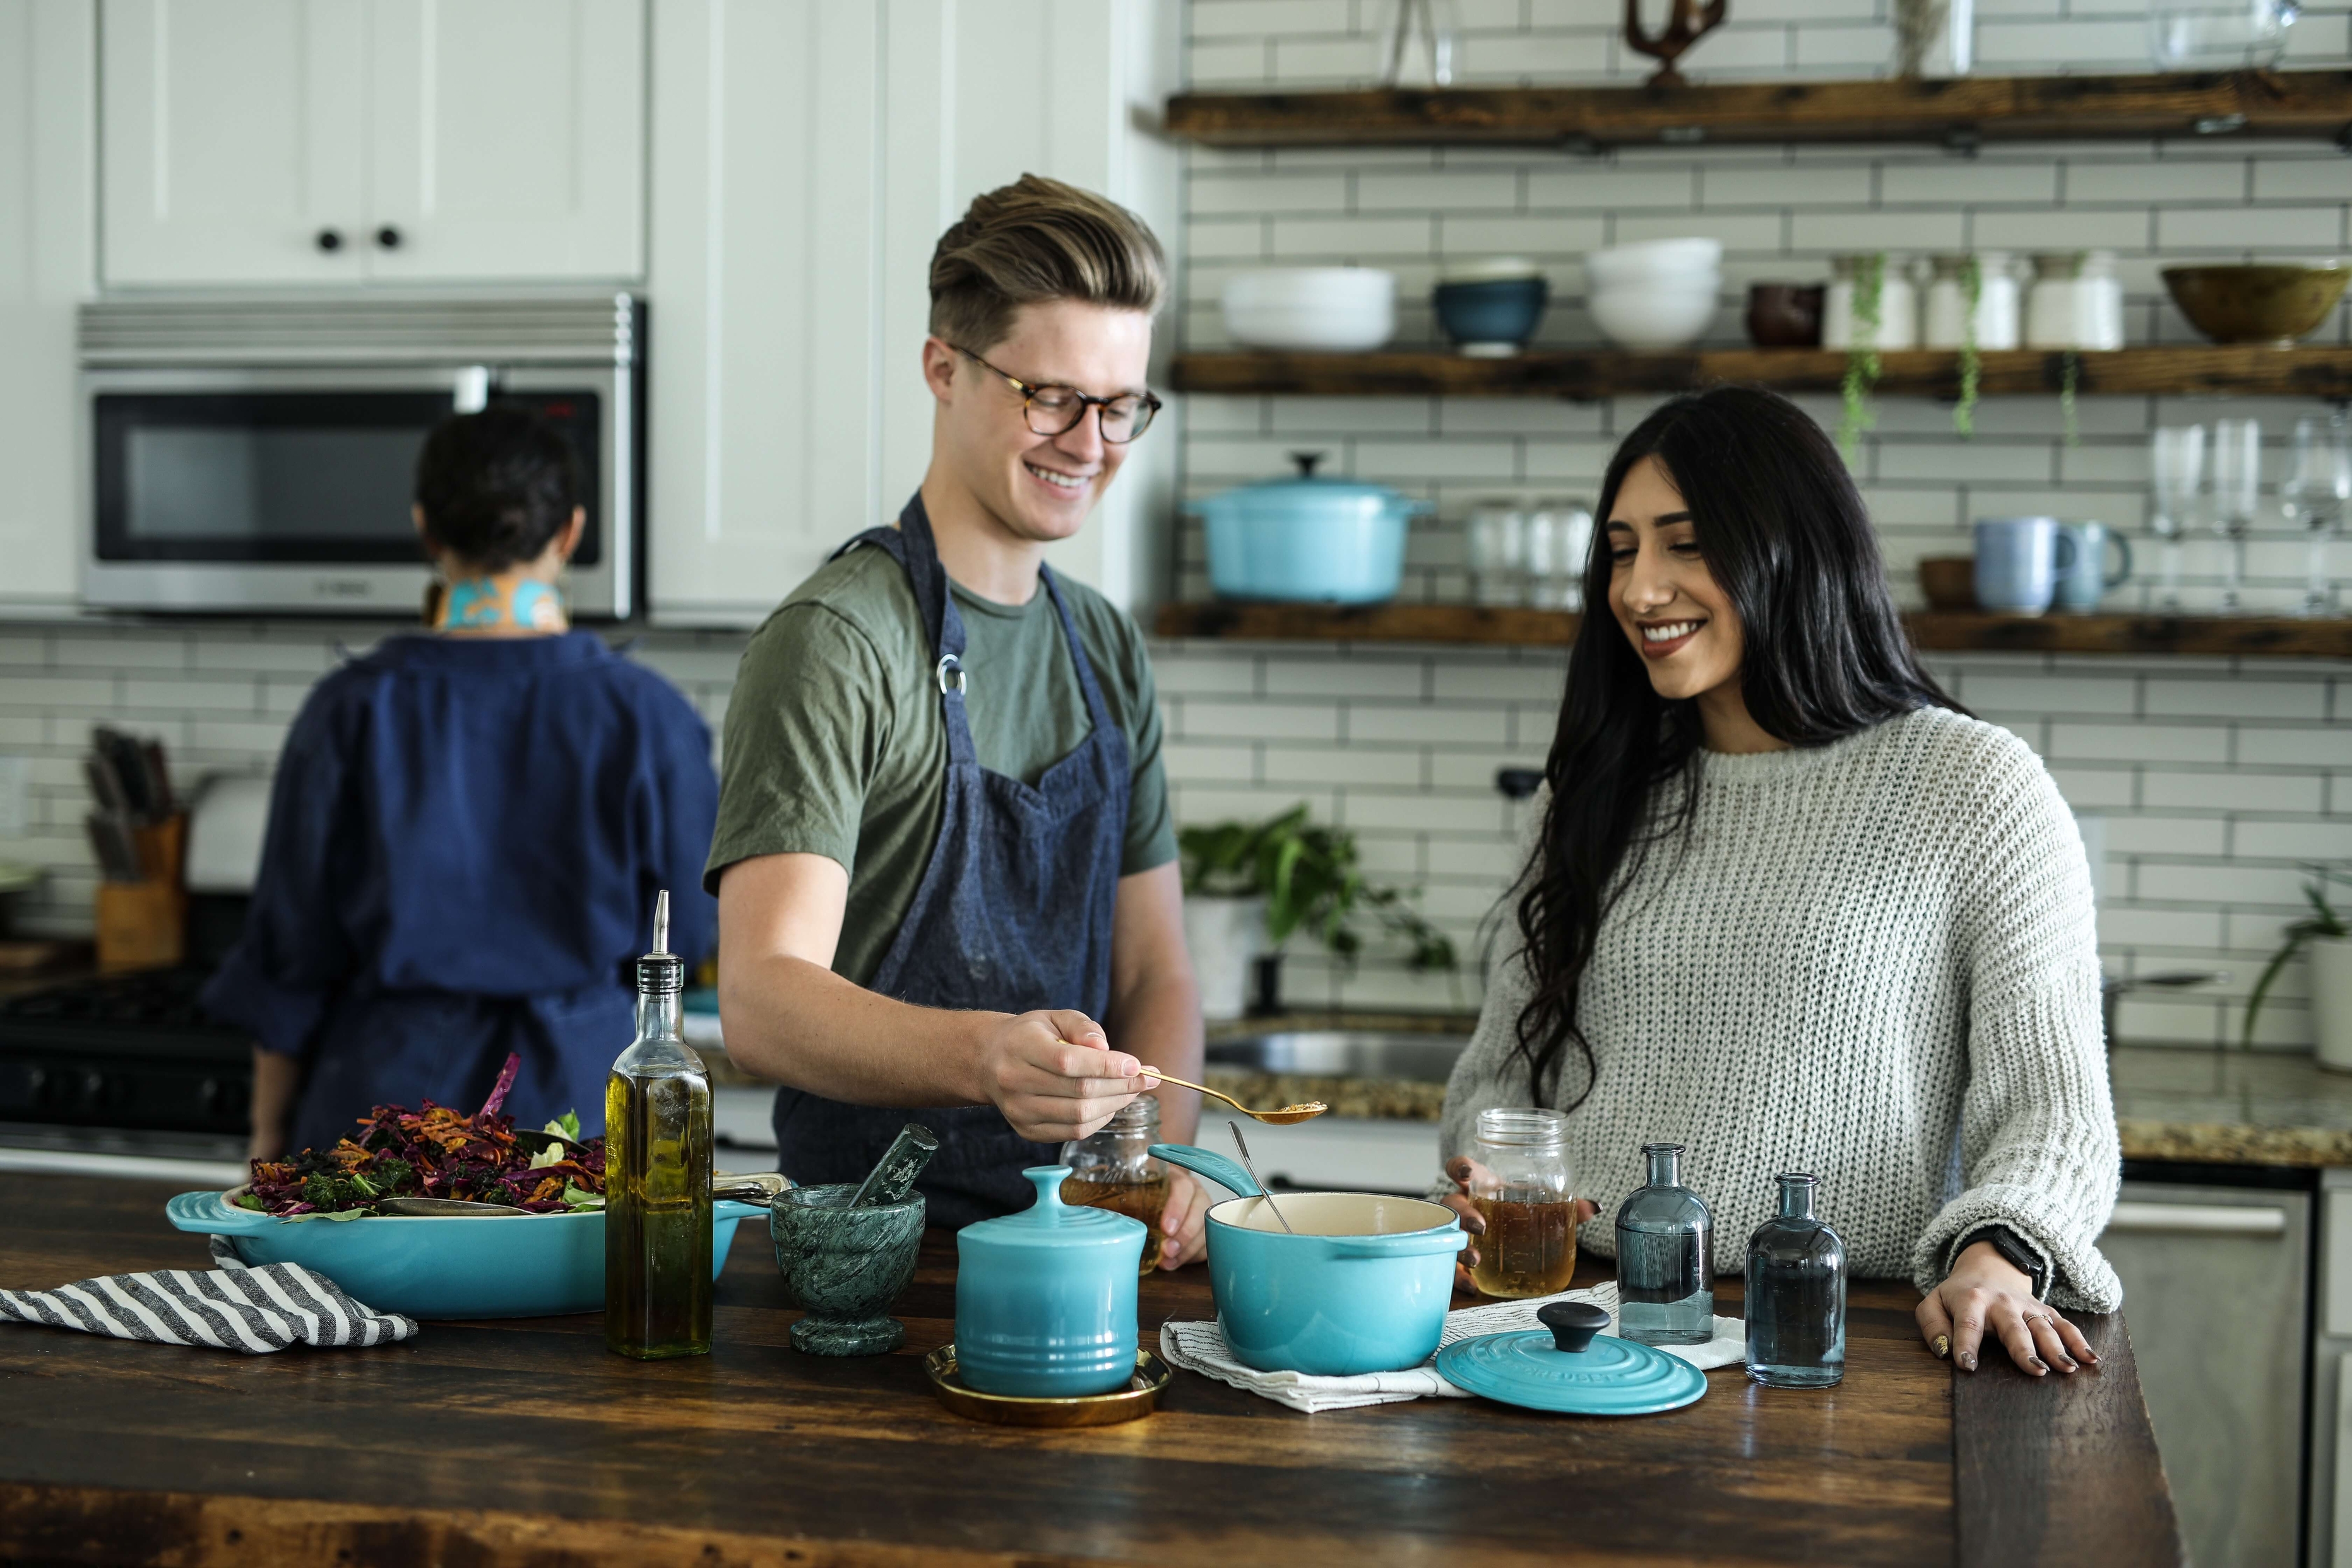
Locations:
(946, 870)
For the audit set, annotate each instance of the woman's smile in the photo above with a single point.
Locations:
(1664, 639)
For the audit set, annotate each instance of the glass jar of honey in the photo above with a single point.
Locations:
(1524, 1191)
(1114, 1170)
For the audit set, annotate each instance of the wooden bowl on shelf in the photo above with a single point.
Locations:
(1949, 582)
(2256, 304)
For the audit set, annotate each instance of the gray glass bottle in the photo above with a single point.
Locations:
(1796, 1295)
(1666, 1241)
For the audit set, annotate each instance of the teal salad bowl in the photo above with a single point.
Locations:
(526, 1266)
(1363, 1287)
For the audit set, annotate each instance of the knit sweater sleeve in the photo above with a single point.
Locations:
(2038, 1148)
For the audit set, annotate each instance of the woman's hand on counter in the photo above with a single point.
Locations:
(1987, 1291)
(1183, 1224)
(1462, 1170)
(1053, 1076)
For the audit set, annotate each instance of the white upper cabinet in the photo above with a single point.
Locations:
(269, 142)
(806, 156)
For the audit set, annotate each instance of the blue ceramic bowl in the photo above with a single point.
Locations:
(538, 1266)
(1492, 317)
(1369, 1293)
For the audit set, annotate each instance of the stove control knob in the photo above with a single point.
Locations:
(93, 1088)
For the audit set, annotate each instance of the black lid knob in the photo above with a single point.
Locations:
(388, 238)
(331, 240)
(1572, 1324)
(1306, 461)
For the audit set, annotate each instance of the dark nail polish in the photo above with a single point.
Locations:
(2091, 1356)
(2068, 1363)
(1968, 1361)
(2038, 1364)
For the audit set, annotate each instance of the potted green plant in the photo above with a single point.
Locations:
(2327, 935)
(1250, 886)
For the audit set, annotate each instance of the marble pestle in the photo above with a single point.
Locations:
(892, 1176)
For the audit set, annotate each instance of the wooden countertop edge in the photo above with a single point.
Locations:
(194, 1530)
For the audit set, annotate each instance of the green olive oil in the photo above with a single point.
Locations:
(657, 1164)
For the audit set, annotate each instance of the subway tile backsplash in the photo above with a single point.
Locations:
(2215, 779)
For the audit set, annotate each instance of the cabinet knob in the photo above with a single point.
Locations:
(331, 240)
(388, 238)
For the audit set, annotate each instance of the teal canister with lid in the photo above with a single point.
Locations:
(1045, 1298)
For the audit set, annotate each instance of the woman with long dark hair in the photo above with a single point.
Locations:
(1788, 905)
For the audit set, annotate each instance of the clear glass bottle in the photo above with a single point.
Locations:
(1523, 1191)
(1114, 1170)
(1666, 1242)
(1494, 548)
(657, 1164)
(2316, 495)
(1796, 1295)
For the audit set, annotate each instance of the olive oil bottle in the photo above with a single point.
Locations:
(657, 1159)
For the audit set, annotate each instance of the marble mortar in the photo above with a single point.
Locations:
(844, 1266)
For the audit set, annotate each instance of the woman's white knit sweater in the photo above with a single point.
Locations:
(1873, 961)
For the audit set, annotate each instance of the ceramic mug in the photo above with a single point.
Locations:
(2018, 563)
(2083, 580)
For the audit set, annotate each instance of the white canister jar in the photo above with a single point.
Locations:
(2331, 999)
(2076, 303)
(1898, 305)
(1944, 316)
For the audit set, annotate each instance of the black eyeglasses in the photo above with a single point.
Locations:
(1056, 410)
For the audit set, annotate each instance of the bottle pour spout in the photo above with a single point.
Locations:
(661, 922)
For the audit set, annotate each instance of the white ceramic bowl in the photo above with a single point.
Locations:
(1332, 308)
(1652, 260)
(1657, 316)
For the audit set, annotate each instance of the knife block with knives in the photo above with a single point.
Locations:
(140, 837)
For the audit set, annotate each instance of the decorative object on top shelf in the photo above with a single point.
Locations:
(2327, 936)
(1935, 40)
(1937, 630)
(1785, 315)
(1970, 306)
(1687, 22)
(1656, 293)
(1867, 311)
(2076, 303)
(2197, 35)
(1491, 307)
(1587, 375)
(1304, 877)
(2310, 105)
(1332, 309)
(1307, 540)
(2274, 305)
(1418, 41)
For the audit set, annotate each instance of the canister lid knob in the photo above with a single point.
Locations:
(1572, 1324)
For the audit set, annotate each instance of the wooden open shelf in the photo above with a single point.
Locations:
(1940, 631)
(2301, 105)
(1581, 374)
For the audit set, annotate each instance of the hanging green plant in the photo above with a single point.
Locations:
(2070, 376)
(1964, 412)
(1861, 355)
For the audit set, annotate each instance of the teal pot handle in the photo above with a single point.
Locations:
(209, 1214)
(1227, 1173)
(1404, 1244)
(728, 1208)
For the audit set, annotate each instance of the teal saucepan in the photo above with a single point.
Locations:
(1362, 1287)
(526, 1265)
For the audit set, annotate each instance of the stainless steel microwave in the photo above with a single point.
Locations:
(259, 455)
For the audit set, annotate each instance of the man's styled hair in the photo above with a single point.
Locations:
(1033, 240)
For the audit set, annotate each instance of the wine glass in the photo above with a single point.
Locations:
(2176, 466)
(2237, 485)
(2316, 494)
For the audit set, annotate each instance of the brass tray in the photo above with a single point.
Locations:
(1140, 1398)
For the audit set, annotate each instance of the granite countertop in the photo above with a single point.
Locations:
(2232, 1108)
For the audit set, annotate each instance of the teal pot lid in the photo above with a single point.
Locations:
(1307, 496)
(1564, 1366)
(1049, 1222)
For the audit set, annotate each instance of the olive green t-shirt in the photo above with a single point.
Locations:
(835, 744)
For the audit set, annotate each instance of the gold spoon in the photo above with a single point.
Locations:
(1283, 1118)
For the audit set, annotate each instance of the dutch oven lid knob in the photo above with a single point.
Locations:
(1306, 461)
(1572, 1324)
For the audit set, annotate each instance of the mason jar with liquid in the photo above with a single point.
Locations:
(1523, 1190)
(1114, 1170)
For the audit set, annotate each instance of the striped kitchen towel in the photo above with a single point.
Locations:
(232, 1307)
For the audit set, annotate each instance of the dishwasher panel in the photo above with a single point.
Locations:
(2216, 1291)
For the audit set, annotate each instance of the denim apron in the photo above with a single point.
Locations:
(1013, 914)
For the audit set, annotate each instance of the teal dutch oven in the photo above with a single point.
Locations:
(526, 1265)
(1362, 1287)
(1307, 540)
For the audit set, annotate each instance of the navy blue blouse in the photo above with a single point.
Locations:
(465, 836)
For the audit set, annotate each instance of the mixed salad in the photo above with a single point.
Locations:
(434, 1152)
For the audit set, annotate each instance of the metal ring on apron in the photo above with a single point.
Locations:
(950, 665)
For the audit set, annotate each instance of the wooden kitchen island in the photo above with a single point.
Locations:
(526, 1443)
